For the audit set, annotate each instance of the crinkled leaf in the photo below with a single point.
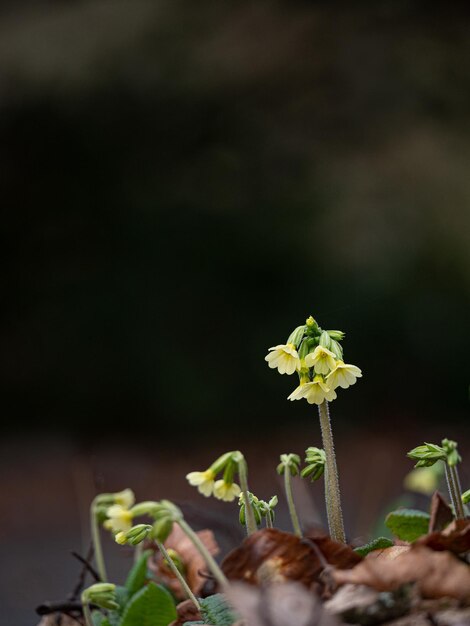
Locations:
(441, 513)
(436, 574)
(151, 606)
(271, 555)
(408, 524)
(376, 544)
(214, 610)
(137, 577)
(455, 538)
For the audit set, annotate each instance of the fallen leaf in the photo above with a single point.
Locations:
(441, 513)
(279, 605)
(388, 554)
(437, 574)
(455, 538)
(274, 556)
(187, 612)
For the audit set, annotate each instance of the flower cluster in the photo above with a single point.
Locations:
(317, 356)
(224, 488)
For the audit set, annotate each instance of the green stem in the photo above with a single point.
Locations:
(95, 535)
(251, 526)
(332, 493)
(87, 614)
(269, 520)
(204, 552)
(138, 551)
(290, 502)
(453, 484)
(178, 575)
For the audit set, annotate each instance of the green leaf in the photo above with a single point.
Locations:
(215, 611)
(376, 544)
(151, 606)
(99, 619)
(408, 524)
(137, 577)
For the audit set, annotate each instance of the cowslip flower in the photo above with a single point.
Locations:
(284, 357)
(226, 491)
(125, 498)
(119, 519)
(321, 359)
(315, 392)
(343, 375)
(204, 481)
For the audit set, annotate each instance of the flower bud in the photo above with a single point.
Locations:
(337, 335)
(101, 594)
(450, 447)
(162, 528)
(325, 340)
(296, 335)
(427, 454)
(466, 496)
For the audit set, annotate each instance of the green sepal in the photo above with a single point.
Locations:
(337, 349)
(314, 471)
(337, 335)
(304, 349)
(325, 340)
(137, 576)
(376, 544)
(215, 611)
(296, 335)
(151, 606)
(408, 524)
(466, 496)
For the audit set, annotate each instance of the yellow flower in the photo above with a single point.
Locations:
(321, 359)
(423, 480)
(315, 392)
(284, 357)
(343, 375)
(120, 538)
(125, 498)
(119, 519)
(226, 491)
(204, 481)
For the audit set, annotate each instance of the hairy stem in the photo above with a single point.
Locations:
(251, 526)
(332, 494)
(95, 536)
(455, 491)
(178, 575)
(290, 502)
(204, 552)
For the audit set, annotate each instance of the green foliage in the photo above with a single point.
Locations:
(376, 544)
(138, 575)
(408, 524)
(151, 606)
(215, 610)
(99, 619)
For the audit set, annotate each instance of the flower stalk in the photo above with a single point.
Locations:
(204, 552)
(96, 539)
(332, 492)
(178, 575)
(251, 526)
(290, 503)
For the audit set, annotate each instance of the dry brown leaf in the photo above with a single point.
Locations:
(189, 555)
(388, 554)
(271, 555)
(455, 537)
(279, 605)
(441, 513)
(358, 604)
(437, 574)
(187, 612)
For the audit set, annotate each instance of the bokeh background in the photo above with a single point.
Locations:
(183, 183)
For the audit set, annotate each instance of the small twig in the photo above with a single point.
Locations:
(46, 608)
(330, 583)
(87, 566)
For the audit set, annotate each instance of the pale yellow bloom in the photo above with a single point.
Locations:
(119, 519)
(343, 375)
(422, 480)
(120, 538)
(226, 491)
(125, 498)
(321, 359)
(315, 392)
(204, 481)
(284, 357)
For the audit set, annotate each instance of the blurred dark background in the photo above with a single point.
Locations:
(185, 182)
